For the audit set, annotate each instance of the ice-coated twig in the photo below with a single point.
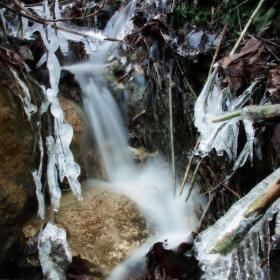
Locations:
(254, 113)
(241, 234)
(29, 108)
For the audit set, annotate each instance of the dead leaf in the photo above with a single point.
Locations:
(242, 68)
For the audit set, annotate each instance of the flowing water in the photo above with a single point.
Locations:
(148, 186)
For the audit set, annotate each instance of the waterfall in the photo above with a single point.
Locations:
(151, 188)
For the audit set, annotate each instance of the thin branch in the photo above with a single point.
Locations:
(21, 7)
(188, 169)
(246, 27)
(171, 131)
(32, 18)
(217, 49)
(231, 191)
(139, 115)
(43, 21)
(205, 212)
(193, 179)
(126, 75)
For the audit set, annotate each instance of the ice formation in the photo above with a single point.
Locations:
(54, 253)
(242, 262)
(213, 104)
(25, 97)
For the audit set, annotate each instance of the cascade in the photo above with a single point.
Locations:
(148, 186)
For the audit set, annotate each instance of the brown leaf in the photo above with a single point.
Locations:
(242, 68)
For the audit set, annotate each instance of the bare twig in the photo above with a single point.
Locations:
(40, 20)
(246, 27)
(21, 7)
(216, 11)
(126, 75)
(193, 179)
(231, 191)
(205, 212)
(139, 115)
(144, 116)
(188, 169)
(171, 131)
(217, 49)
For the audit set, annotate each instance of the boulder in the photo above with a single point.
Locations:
(103, 229)
(18, 159)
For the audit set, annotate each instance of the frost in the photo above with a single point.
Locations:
(221, 136)
(242, 262)
(217, 130)
(54, 253)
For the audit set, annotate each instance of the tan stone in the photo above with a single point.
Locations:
(103, 229)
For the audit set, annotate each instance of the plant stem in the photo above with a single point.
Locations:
(171, 132)
(246, 27)
(186, 81)
(188, 169)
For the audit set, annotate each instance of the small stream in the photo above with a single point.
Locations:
(149, 186)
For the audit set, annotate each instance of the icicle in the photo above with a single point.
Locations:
(37, 179)
(54, 253)
(40, 197)
(54, 190)
(29, 108)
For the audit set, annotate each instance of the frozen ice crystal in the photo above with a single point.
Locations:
(222, 135)
(54, 253)
(243, 261)
(40, 197)
(54, 190)
(29, 108)
(214, 103)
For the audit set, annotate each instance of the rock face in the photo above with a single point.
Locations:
(103, 229)
(18, 160)
(82, 145)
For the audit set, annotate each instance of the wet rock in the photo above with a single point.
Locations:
(85, 153)
(164, 264)
(18, 160)
(102, 230)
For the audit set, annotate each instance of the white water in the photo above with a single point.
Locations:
(149, 187)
